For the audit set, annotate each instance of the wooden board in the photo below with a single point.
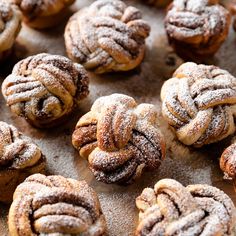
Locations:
(183, 164)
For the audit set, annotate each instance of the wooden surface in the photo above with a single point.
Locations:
(183, 164)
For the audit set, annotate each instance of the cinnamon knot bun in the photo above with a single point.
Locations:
(42, 14)
(196, 29)
(107, 36)
(10, 25)
(120, 139)
(54, 205)
(228, 163)
(199, 104)
(45, 88)
(171, 209)
(19, 158)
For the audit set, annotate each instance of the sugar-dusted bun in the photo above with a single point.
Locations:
(55, 205)
(19, 158)
(171, 209)
(10, 25)
(197, 28)
(120, 139)
(107, 36)
(41, 14)
(45, 88)
(199, 103)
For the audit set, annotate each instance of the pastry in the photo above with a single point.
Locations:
(41, 14)
(171, 209)
(228, 163)
(120, 139)
(10, 25)
(197, 28)
(107, 36)
(158, 3)
(54, 205)
(19, 158)
(199, 103)
(45, 88)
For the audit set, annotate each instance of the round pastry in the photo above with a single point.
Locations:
(19, 158)
(199, 103)
(10, 25)
(107, 36)
(196, 29)
(228, 163)
(41, 14)
(157, 3)
(54, 205)
(171, 209)
(45, 88)
(120, 139)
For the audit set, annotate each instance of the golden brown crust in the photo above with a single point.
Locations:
(228, 161)
(171, 209)
(120, 139)
(199, 103)
(197, 28)
(42, 14)
(107, 36)
(45, 88)
(19, 158)
(10, 24)
(55, 205)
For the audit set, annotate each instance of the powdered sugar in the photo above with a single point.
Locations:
(200, 114)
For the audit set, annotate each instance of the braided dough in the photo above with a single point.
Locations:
(42, 14)
(45, 88)
(228, 163)
(197, 28)
(199, 104)
(171, 209)
(19, 158)
(54, 205)
(120, 139)
(107, 36)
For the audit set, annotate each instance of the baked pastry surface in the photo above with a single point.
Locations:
(197, 28)
(107, 36)
(10, 25)
(120, 139)
(199, 103)
(45, 88)
(228, 163)
(172, 209)
(55, 205)
(19, 158)
(41, 14)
